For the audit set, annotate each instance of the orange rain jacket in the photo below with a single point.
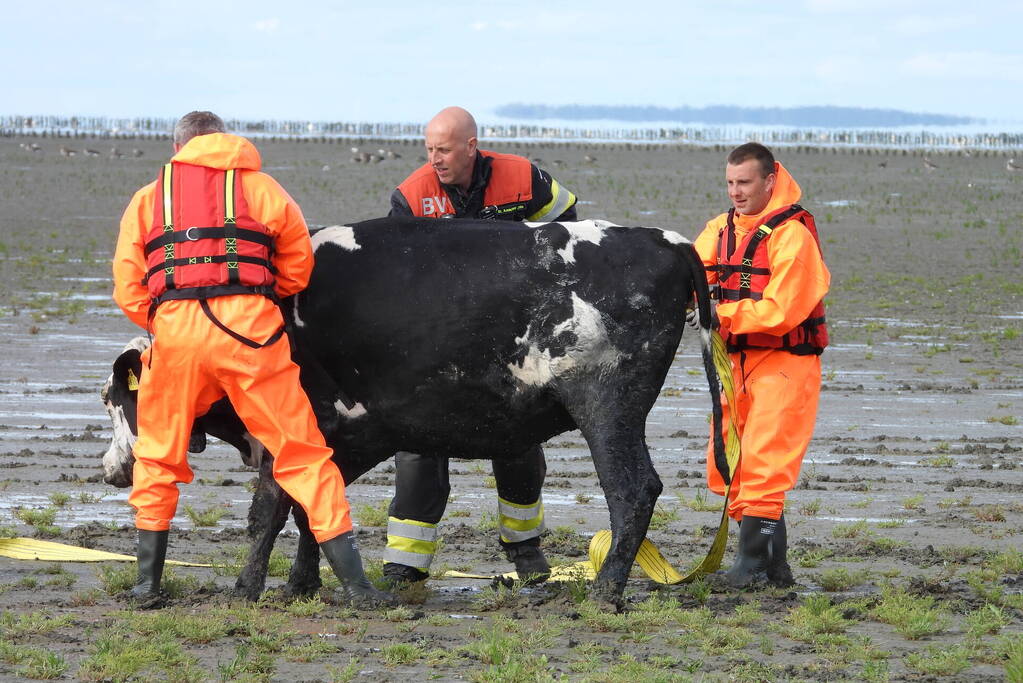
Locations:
(192, 363)
(776, 391)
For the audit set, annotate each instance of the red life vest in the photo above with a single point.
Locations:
(203, 242)
(509, 189)
(743, 273)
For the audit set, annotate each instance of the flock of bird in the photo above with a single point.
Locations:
(363, 157)
(65, 151)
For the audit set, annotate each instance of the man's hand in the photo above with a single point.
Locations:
(693, 318)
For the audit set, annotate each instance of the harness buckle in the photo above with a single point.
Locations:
(188, 233)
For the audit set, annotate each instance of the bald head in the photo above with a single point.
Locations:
(454, 120)
(451, 146)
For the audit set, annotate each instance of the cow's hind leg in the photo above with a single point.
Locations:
(304, 579)
(267, 515)
(631, 486)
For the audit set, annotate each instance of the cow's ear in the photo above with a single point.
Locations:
(128, 369)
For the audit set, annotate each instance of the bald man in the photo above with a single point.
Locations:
(461, 181)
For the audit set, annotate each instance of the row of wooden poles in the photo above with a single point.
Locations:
(159, 128)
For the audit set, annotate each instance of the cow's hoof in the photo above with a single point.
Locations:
(608, 599)
(293, 591)
(247, 593)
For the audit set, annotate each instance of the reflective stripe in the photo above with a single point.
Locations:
(520, 522)
(168, 213)
(410, 542)
(229, 196)
(560, 201)
(417, 560)
(411, 528)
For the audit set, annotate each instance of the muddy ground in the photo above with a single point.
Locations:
(911, 496)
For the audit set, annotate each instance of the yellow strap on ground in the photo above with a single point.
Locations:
(49, 551)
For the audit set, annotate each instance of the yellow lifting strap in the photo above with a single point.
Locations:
(49, 551)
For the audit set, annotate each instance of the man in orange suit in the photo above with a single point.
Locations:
(764, 260)
(202, 257)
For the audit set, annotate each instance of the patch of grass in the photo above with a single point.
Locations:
(990, 513)
(841, 579)
(372, 515)
(1009, 420)
(582, 498)
(36, 517)
(987, 620)
(700, 503)
(1010, 648)
(913, 617)
(58, 499)
(662, 517)
(15, 626)
(814, 617)
(120, 656)
(311, 651)
(30, 662)
(851, 530)
(810, 559)
(811, 509)
(943, 460)
(307, 607)
(488, 522)
(913, 502)
(940, 660)
(209, 517)
(401, 653)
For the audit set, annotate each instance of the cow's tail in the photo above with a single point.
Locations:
(703, 303)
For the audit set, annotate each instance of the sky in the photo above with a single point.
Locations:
(400, 61)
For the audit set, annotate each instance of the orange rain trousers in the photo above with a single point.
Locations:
(191, 365)
(775, 410)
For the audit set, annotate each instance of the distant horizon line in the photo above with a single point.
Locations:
(818, 116)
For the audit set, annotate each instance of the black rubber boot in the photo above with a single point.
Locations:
(761, 556)
(530, 563)
(401, 575)
(343, 555)
(152, 551)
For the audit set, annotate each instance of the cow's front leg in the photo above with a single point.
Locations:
(304, 579)
(267, 515)
(631, 487)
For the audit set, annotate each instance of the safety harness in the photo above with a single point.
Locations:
(203, 243)
(743, 273)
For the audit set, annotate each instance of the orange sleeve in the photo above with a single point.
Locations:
(272, 206)
(129, 257)
(799, 280)
(707, 245)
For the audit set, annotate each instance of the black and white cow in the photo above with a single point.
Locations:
(475, 339)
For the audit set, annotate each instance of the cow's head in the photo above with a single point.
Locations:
(120, 396)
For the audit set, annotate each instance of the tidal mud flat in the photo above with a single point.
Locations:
(904, 529)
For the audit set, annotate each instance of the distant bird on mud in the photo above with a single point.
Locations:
(883, 164)
(67, 152)
(116, 153)
(136, 152)
(1012, 167)
(929, 165)
(589, 159)
(91, 153)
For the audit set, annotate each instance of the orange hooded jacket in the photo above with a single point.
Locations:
(799, 278)
(254, 317)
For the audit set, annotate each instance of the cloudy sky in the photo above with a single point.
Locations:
(402, 61)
